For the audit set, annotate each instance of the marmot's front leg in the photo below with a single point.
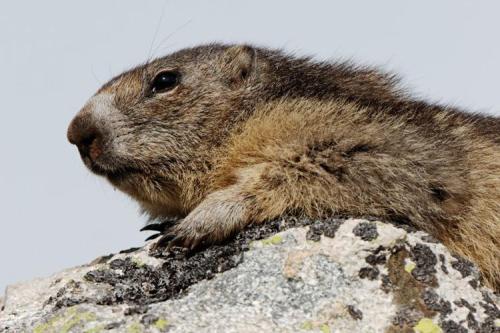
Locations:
(217, 217)
(226, 211)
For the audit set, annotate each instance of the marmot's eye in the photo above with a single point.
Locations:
(164, 81)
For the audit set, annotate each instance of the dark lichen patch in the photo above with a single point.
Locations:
(425, 261)
(327, 227)
(463, 303)
(100, 275)
(128, 282)
(442, 259)
(136, 309)
(386, 285)
(376, 258)
(464, 266)
(67, 301)
(491, 310)
(354, 312)
(373, 259)
(143, 284)
(449, 326)
(367, 231)
(406, 318)
(487, 298)
(149, 319)
(113, 325)
(117, 264)
(331, 226)
(472, 322)
(489, 326)
(69, 295)
(433, 302)
(315, 231)
(474, 283)
(370, 273)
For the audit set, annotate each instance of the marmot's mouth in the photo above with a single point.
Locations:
(114, 174)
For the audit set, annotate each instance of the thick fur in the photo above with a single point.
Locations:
(250, 134)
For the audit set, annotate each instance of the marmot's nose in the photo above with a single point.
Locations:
(83, 134)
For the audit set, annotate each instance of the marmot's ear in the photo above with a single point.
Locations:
(239, 63)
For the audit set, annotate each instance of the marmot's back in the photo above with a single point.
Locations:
(229, 135)
(336, 157)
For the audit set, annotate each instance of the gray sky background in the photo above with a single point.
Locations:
(55, 54)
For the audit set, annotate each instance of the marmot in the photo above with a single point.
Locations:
(227, 135)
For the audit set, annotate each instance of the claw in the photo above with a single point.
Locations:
(164, 240)
(159, 226)
(191, 243)
(153, 236)
(154, 227)
(175, 241)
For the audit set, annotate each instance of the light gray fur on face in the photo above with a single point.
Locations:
(113, 123)
(109, 121)
(101, 106)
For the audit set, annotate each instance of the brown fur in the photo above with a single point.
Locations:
(250, 134)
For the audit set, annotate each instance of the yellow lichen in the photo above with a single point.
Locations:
(274, 240)
(96, 329)
(64, 323)
(75, 318)
(307, 325)
(410, 266)
(42, 328)
(310, 325)
(426, 325)
(325, 328)
(138, 262)
(134, 328)
(161, 324)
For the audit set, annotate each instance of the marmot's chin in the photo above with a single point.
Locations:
(115, 174)
(119, 177)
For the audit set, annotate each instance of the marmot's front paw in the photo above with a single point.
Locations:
(214, 220)
(188, 233)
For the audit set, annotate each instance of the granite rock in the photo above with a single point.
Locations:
(288, 275)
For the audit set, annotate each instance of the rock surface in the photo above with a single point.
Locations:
(289, 275)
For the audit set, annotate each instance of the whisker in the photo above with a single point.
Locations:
(95, 76)
(166, 38)
(150, 54)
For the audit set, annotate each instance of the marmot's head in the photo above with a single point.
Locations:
(146, 124)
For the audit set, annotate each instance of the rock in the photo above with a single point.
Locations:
(288, 275)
